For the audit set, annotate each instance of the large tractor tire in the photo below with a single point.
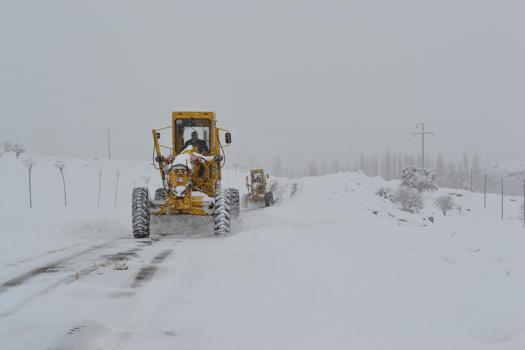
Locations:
(235, 206)
(140, 212)
(268, 199)
(160, 194)
(222, 213)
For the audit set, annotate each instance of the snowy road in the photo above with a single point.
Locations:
(331, 266)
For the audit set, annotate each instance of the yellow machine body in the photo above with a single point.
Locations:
(256, 183)
(191, 176)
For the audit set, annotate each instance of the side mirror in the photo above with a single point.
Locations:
(228, 137)
(158, 135)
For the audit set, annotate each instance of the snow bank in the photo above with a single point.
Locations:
(331, 265)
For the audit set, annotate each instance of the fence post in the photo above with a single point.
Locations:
(485, 197)
(501, 199)
(99, 185)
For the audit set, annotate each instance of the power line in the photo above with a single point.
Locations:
(83, 97)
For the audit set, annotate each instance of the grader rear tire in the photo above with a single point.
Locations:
(222, 214)
(140, 219)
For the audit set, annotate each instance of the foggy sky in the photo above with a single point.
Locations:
(296, 78)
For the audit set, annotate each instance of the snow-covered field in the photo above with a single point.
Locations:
(331, 265)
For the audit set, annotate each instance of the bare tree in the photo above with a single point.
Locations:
(29, 165)
(18, 149)
(99, 186)
(61, 166)
(444, 203)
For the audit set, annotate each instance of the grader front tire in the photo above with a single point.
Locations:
(140, 218)
(222, 215)
(268, 199)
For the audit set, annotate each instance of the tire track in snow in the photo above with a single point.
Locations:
(103, 261)
(147, 272)
(49, 267)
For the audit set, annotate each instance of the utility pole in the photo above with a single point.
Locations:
(108, 130)
(422, 133)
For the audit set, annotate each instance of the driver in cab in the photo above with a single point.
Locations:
(201, 145)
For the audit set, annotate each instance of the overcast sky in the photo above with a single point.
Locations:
(299, 78)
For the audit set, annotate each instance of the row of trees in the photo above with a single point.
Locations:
(30, 163)
(465, 174)
(16, 148)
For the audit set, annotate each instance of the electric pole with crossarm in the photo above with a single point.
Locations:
(422, 133)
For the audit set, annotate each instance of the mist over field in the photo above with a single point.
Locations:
(296, 79)
(365, 191)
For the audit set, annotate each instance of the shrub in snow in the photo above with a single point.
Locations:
(29, 165)
(386, 193)
(410, 199)
(419, 179)
(18, 149)
(444, 203)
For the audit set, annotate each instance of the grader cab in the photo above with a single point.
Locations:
(257, 185)
(190, 168)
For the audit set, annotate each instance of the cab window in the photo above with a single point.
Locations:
(195, 132)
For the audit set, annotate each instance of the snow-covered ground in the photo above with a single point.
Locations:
(331, 265)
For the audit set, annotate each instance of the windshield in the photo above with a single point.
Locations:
(256, 178)
(193, 132)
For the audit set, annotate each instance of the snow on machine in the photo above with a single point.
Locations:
(191, 173)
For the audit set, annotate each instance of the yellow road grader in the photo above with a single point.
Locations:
(257, 185)
(191, 172)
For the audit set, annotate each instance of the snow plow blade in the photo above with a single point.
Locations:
(184, 225)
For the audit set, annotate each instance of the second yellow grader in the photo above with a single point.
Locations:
(257, 185)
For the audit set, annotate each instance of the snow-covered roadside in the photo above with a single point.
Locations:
(322, 271)
(49, 227)
(331, 265)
